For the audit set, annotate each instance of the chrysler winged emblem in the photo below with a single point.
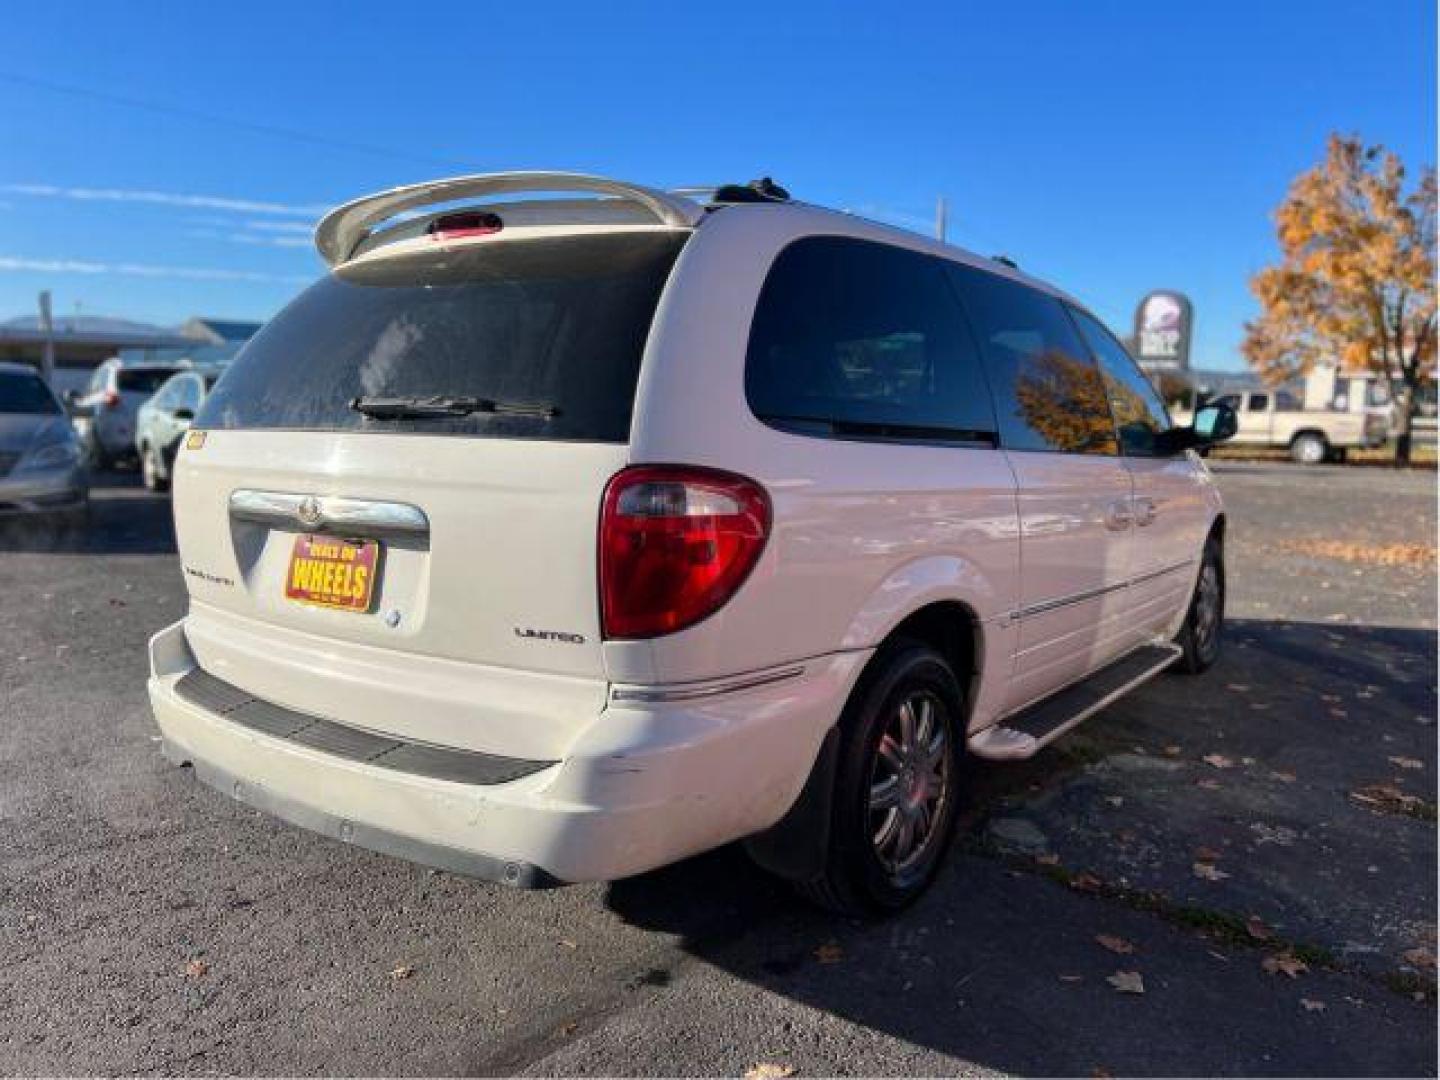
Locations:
(309, 511)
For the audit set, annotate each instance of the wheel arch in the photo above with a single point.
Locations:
(795, 847)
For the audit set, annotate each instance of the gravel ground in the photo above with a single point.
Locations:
(148, 925)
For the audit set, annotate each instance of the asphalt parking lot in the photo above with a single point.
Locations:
(1257, 848)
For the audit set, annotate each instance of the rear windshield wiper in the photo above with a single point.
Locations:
(441, 406)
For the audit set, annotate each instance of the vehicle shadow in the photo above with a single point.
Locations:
(124, 519)
(998, 964)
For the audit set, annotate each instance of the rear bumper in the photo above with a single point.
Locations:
(644, 784)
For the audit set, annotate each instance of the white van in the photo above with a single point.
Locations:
(553, 540)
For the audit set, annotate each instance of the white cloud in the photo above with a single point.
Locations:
(185, 273)
(163, 198)
(251, 239)
(303, 228)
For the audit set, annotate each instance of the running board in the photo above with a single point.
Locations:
(1036, 726)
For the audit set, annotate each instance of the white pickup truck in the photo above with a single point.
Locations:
(1276, 418)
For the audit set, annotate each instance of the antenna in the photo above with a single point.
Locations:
(941, 218)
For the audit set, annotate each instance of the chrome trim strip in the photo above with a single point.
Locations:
(330, 514)
(1090, 594)
(695, 693)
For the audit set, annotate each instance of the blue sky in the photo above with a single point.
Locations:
(1109, 147)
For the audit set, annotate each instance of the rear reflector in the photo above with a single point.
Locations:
(676, 543)
(464, 223)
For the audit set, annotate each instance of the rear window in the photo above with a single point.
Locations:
(26, 394)
(558, 322)
(143, 380)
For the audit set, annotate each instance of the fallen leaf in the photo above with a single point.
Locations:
(1048, 859)
(1099, 1072)
(1219, 761)
(830, 953)
(1256, 928)
(1407, 763)
(1171, 751)
(1085, 883)
(194, 969)
(1206, 854)
(1127, 982)
(1283, 777)
(1311, 1005)
(1398, 554)
(401, 971)
(768, 1071)
(1284, 963)
(1237, 688)
(1420, 958)
(1207, 872)
(1115, 944)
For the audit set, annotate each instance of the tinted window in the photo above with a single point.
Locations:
(1048, 392)
(1258, 403)
(26, 394)
(859, 339)
(142, 381)
(187, 392)
(1286, 402)
(1139, 414)
(559, 322)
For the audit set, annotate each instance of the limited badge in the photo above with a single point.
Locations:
(195, 440)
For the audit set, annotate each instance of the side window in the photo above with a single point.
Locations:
(186, 393)
(1048, 392)
(1287, 402)
(853, 338)
(1139, 414)
(1257, 403)
(165, 399)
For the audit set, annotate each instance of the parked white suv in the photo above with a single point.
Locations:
(553, 541)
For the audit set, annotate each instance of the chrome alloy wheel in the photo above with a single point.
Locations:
(909, 782)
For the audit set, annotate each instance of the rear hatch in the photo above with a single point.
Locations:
(391, 517)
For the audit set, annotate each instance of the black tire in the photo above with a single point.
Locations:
(1309, 448)
(858, 879)
(95, 456)
(152, 469)
(1201, 635)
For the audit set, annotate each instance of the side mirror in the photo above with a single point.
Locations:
(183, 413)
(1214, 423)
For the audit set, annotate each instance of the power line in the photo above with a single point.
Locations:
(245, 125)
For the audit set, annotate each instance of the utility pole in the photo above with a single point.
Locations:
(47, 327)
(940, 219)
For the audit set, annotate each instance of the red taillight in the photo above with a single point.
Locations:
(111, 399)
(464, 223)
(675, 545)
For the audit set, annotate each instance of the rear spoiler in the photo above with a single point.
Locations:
(344, 229)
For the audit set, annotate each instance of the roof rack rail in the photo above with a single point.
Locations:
(344, 229)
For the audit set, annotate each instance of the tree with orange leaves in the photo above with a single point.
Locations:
(1356, 282)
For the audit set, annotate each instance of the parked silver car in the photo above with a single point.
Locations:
(42, 465)
(163, 420)
(106, 410)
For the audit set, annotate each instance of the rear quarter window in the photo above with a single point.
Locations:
(559, 322)
(857, 339)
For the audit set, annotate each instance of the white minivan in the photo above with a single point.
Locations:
(555, 539)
